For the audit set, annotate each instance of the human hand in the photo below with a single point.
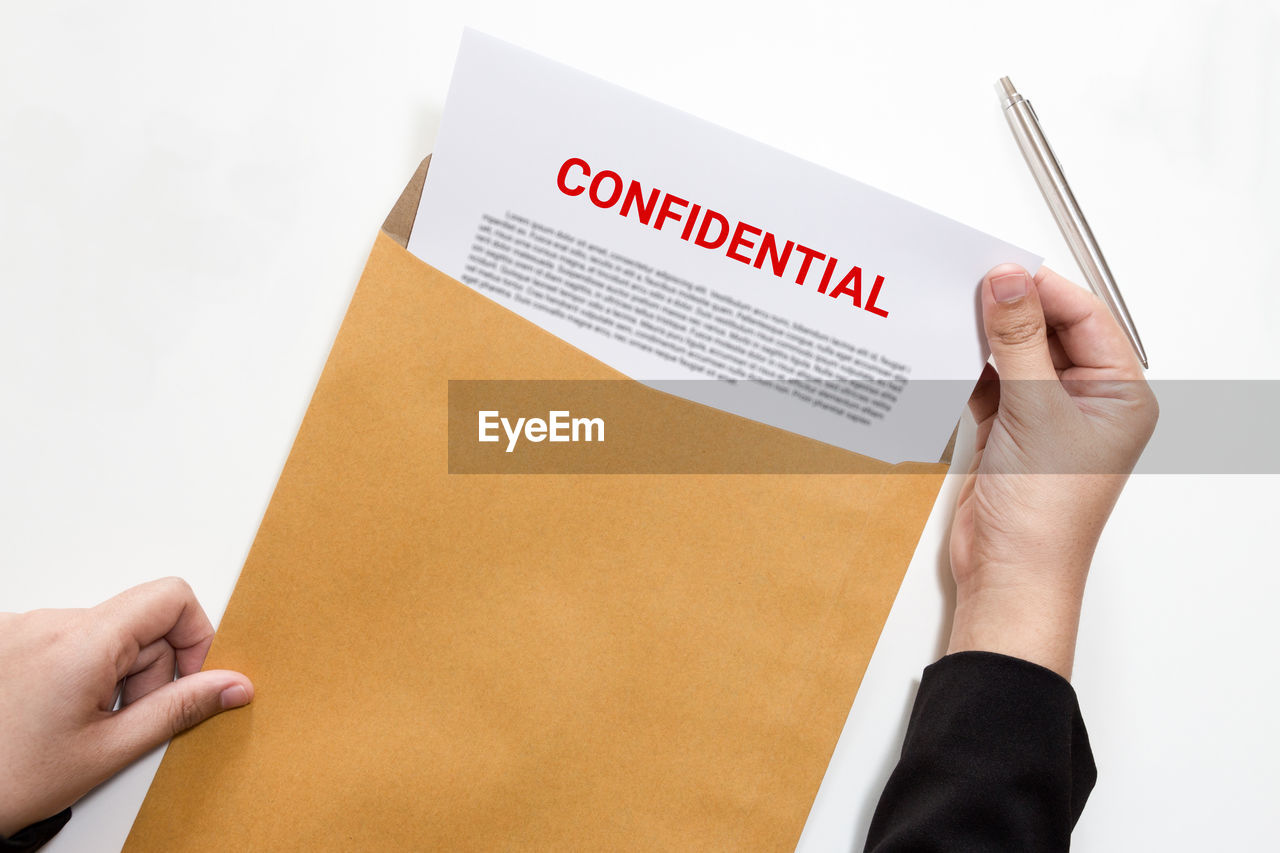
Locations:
(1062, 419)
(59, 674)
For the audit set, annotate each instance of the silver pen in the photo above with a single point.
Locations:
(1071, 222)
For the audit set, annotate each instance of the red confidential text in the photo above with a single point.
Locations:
(710, 229)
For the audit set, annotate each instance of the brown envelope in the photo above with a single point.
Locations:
(530, 661)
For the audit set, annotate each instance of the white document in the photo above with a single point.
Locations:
(675, 251)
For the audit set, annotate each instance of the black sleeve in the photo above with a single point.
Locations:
(35, 836)
(996, 757)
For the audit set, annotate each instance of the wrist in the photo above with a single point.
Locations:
(14, 820)
(11, 819)
(1037, 623)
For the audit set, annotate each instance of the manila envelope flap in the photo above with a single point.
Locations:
(526, 661)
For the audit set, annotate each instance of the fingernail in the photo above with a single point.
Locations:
(233, 697)
(1009, 287)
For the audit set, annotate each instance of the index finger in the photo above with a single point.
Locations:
(165, 609)
(1090, 336)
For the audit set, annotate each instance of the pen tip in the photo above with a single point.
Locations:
(1008, 94)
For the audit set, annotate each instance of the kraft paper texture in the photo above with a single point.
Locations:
(529, 661)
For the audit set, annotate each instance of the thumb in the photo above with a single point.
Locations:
(166, 711)
(1015, 327)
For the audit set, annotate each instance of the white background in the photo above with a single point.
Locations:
(188, 192)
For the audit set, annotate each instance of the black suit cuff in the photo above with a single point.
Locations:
(36, 835)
